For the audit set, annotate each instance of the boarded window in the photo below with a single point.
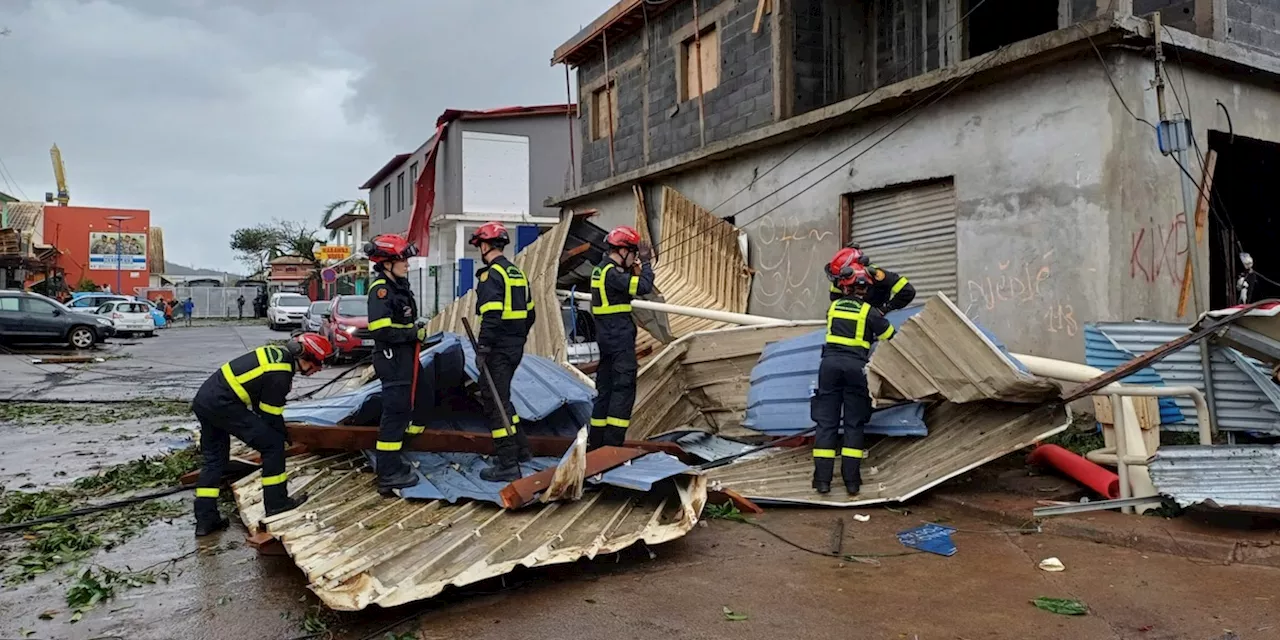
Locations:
(700, 63)
(910, 230)
(386, 200)
(604, 110)
(400, 192)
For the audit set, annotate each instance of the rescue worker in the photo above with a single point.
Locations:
(506, 314)
(842, 397)
(245, 399)
(889, 291)
(393, 321)
(613, 285)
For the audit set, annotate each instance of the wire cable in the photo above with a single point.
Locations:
(84, 511)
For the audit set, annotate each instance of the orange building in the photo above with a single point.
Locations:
(86, 238)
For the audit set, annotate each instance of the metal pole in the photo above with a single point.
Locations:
(119, 229)
(490, 387)
(1206, 368)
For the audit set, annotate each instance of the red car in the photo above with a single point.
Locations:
(346, 325)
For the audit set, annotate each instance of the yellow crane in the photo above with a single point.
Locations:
(60, 174)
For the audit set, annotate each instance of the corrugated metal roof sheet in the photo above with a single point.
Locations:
(705, 445)
(948, 356)
(1241, 477)
(961, 437)
(359, 549)
(1242, 404)
(25, 216)
(699, 264)
(539, 389)
(1102, 352)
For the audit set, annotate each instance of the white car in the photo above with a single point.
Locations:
(129, 317)
(286, 309)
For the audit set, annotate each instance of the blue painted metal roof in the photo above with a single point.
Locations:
(456, 476)
(1102, 352)
(544, 394)
(705, 445)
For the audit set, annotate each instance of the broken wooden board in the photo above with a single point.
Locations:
(526, 489)
(350, 438)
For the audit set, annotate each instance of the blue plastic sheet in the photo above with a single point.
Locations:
(933, 538)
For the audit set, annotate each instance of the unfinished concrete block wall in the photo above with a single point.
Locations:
(1254, 24)
(1176, 14)
(653, 123)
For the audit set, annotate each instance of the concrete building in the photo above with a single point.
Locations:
(502, 164)
(1003, 152)
(350, 230)
(105, 246)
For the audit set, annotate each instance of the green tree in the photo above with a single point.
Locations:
(254, 246)
(346, 207)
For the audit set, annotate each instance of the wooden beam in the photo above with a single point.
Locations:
(578, 250)
(524, 490)
(351, 438)
(744, 505)
(761, 6)
(1201, 222)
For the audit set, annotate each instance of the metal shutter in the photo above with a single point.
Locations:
(912, 231)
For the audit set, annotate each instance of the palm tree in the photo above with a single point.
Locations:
(353, 207)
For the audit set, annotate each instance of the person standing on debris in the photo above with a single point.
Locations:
(889, 291)
(507, 314)
(393, 320)
(613, 285)
(842, 397)
(188, 310)
(240, 306)
(245, 399)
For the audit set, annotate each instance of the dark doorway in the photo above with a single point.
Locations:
(995, 23)
(1244, 217)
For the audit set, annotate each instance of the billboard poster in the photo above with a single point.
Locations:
(132, 251)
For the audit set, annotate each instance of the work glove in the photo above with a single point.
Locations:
(481, 354)
(423, 334)
(645, 251)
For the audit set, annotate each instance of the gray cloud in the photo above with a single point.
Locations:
(218, 114)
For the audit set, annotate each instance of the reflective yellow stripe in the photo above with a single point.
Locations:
(269, 359)
(378, 282)
(835, 289)
(634, 286)
(597, 283)
(207, 492)
(271, 409)
(383, 323)
(853, 453)
(235, 385)
(415, 429)
(389, 446)
(515, 419)
(824, 453)
(859, 318)
(496, 305)
(507, 305)
(902, 282)
(268, 481)
(888, 333)
(618, 422)
(501, 433)
(599, 422)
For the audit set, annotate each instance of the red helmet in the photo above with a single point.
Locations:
(389, 246)
(623, 236)
(313, 347)
(493, 233)
(858, 278)
(843, 262)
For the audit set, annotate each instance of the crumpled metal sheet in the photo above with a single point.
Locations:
(358, 548)
(1245, 477)
(945, 356)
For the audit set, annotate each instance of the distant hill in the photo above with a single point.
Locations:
(175, 269)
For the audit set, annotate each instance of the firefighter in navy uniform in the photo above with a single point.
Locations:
(889, 291)
(507, 314)
(613, 284)
(393, 321)
(245, 398)
(843, 399)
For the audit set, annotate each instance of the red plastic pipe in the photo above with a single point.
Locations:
(1102, 480)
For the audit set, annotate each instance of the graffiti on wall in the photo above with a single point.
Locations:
(790, 259)
(1158, 250)
(1014, 288)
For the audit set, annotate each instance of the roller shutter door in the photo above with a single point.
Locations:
(911, 230)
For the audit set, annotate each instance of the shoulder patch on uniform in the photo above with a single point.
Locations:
(879, 274)
(382, 292)
(484, 275)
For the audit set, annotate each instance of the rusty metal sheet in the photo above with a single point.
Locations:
(1244, 477)
(961, 437)
(358, 548)
(940, 354)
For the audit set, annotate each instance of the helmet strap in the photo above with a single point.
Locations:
(484, 255)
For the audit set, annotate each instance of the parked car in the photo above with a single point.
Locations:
(89, 301)
(286, 309)
(313, 319)
(33, 318)
(347, 327)
(157, 314)
(129, 317)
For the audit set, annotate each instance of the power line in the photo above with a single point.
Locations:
(14, 186)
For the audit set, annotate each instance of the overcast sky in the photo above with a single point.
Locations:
(216, 114)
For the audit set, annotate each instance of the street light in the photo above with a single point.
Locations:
(119, 222)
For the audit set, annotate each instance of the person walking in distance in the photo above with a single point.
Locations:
(188, 310)
(613, 285)
(507, 314)
(393, 315)
(842, 398)
(240, 306)
(245, 398)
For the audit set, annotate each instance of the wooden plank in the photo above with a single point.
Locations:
(1201, 222)
(524, 490)
(569, 254)
(744, 505)
(352, 438)
(760, 9)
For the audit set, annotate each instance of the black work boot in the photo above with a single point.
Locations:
(394, 472)
(851, 469)
(822, 471)
(206, 527)
(501, 470)
(276, 500)
(522, 447)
